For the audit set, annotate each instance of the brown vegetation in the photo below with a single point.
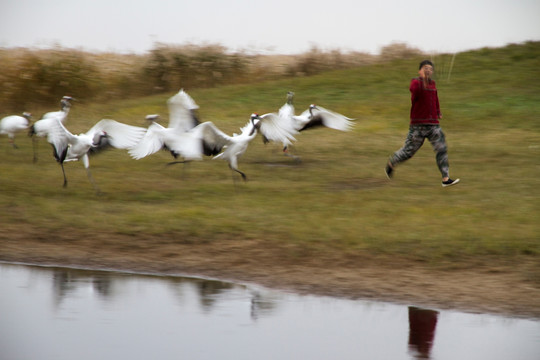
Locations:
(41, 77)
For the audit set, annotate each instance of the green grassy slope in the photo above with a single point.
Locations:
(337, 197)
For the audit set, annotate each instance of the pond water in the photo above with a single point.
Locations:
(58, 313)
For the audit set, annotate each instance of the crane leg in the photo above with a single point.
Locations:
(185, 162)
(64, 173)
(244, 177)
(287, 153)
(178, 162)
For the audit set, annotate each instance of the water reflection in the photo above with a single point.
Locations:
(67, 282)
(422, 324)
(261, 305)
(107, 315)
(210, 291)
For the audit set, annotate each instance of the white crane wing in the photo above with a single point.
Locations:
(277, 128)
(332, 119)
(151, 142)
(157, 137)
(184, 144)
(181, 111)
(213, 139)
(119, 135)
(59, 136)
(286, 111)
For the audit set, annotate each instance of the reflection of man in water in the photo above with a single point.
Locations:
(422, 323)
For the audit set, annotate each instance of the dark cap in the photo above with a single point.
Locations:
(425, 62)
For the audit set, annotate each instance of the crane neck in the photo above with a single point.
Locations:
(65, 106)
(253, 131)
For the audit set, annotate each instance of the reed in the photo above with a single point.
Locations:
(32, 77)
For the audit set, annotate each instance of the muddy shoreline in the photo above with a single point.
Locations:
(508, 290)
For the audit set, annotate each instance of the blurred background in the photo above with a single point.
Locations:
(42, 76)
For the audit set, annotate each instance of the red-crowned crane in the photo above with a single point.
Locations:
(313, 117)
(70, 147)
(42, 127)
(12, 124)
(185, 138)
(182, 118)
(206, 139)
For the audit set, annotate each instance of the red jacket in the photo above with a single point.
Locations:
(424, 103)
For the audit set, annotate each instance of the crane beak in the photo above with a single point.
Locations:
(152, 117)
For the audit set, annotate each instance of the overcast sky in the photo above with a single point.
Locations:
(273, 26)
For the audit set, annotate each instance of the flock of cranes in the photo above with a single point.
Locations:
(185, 136)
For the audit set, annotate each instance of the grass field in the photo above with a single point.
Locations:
(337, 199)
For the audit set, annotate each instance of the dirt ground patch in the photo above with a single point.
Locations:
(502, 289)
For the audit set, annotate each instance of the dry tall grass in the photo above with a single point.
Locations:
(41, 77)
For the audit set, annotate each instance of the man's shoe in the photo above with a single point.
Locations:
(449, 182)
(389, 170)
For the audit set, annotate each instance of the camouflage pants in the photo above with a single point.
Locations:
(415, 139)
